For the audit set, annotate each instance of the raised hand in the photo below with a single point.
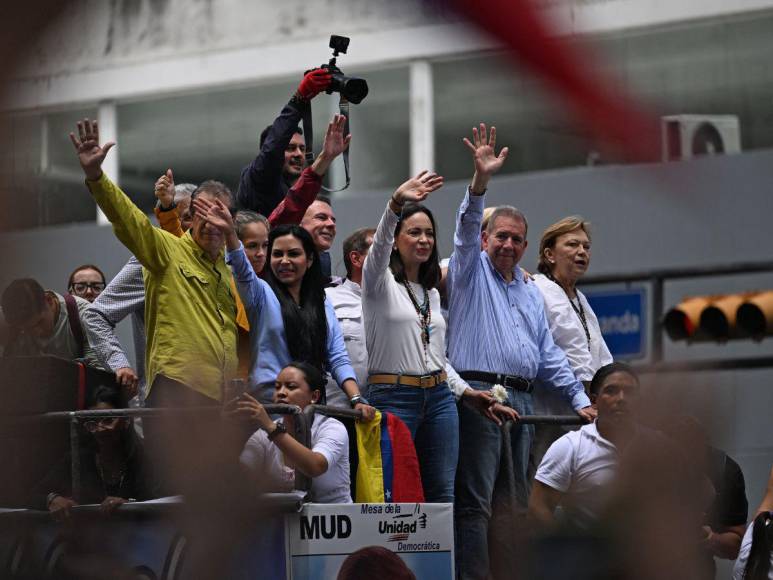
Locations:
(165, 189)
(484, 156)
(418, 188)
(314, 82)
(335, 143)
(90, 153)
(216, 213)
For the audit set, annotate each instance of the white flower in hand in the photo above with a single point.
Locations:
(499, 393)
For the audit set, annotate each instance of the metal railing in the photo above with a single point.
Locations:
(304, 420)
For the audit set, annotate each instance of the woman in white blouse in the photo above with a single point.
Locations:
(273, 453)
(564, 257)
(405, 333)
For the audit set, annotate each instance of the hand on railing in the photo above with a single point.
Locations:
(110, 504)
(60, 506)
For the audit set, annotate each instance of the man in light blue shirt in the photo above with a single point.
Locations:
(498, 334)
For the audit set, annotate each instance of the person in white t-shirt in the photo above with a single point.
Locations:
(564, 257)
(755, 558)
(578, 468)
(274, 453)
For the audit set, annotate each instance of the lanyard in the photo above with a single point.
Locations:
(578, 310)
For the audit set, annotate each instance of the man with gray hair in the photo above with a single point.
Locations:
(498, 334)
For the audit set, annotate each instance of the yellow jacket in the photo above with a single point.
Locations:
(190, 308)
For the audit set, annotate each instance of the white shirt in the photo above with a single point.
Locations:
(580, 465)
(743, 555)
(328, 438)
(569, 334)
(347, 303)
(392, 326)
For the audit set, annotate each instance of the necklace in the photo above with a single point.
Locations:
(112, 482)
(578, 310)
(423, 311)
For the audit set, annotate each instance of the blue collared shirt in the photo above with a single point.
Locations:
(497, 326)
(268, 342)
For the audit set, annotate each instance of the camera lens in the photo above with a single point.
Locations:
(354, 89)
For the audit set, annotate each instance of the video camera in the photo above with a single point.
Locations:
(353, 89)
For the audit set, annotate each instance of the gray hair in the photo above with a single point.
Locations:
(506, 211)
(183, 191)
(244, 217)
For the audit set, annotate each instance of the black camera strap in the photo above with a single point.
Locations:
(308, 135)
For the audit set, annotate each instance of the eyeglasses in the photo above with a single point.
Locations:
(81, 287)
(106, 423)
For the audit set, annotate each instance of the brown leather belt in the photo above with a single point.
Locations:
(421, 381)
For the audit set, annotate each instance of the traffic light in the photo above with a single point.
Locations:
(721, 317)
(755, 315)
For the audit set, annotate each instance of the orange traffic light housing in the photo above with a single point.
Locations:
(721, 317)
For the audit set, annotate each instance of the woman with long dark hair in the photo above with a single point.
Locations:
(288, 310)
(755, 558)
(405, 333)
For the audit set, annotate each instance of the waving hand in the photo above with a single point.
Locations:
(484, 156)
(418, 188)
(90, 153)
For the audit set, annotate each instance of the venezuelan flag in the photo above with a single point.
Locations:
(388, 470)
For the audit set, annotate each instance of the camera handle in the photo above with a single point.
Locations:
(308, 135)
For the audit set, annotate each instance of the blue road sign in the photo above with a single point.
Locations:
(622, 317)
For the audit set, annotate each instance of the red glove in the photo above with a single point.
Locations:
(314, 82)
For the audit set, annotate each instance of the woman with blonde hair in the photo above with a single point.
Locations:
(564, 257)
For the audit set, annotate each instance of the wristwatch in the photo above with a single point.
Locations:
(279, 428)
(161, 208)
(357, 399)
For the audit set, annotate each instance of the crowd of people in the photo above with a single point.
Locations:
(242, 286)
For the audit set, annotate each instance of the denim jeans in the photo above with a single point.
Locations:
(431, 416)
(481, 471)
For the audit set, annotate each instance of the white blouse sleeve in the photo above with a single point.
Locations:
(377, 261)
(567, 330)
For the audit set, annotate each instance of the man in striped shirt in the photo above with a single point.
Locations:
(498, 334)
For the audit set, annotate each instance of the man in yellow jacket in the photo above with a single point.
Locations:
(190, 312)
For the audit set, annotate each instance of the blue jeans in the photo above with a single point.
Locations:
(431, 417)
(481, 471)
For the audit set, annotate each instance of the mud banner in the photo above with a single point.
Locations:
(321, 537)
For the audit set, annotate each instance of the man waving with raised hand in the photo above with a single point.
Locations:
(498, 335)
(190, 311)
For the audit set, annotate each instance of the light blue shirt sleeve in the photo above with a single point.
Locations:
(466, 237)
(252, 290)
(338, 356)
(554, 370)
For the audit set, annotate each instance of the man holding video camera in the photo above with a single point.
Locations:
(265, 181)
